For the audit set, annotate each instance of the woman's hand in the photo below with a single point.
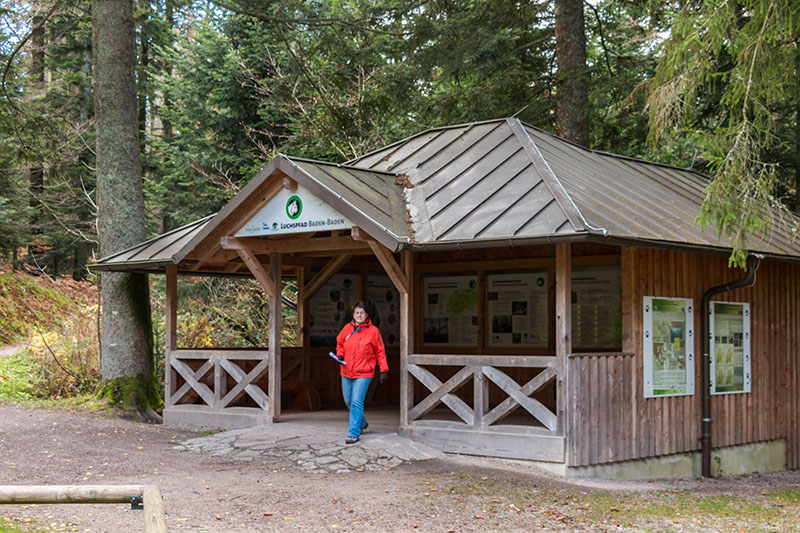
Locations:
(384, 376)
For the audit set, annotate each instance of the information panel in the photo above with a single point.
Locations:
(451, 310)
(730, 347)
(383, 301)
(518, 309)
(331, 308)
(668, 347)
(597, 307)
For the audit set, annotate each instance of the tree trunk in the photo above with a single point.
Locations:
(126, 335)
(36, 172)
(572, 89)
(144, 63)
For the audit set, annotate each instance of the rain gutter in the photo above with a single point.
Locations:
(705, 365)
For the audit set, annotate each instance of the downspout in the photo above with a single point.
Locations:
(705, 367)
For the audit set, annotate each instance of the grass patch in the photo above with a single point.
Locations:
(20, 378)
(27, 525)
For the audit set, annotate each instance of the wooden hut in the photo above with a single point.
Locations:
(538, 300)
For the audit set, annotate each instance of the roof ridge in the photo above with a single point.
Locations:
(342, 165)
(549, 177)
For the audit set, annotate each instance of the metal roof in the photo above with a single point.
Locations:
(493, 183)
(373, 200)
(497, 181)
(155, 253)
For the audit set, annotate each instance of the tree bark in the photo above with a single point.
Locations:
(572, 90)
(126, 335)
(36, 172)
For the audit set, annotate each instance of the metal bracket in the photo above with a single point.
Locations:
(136, 502)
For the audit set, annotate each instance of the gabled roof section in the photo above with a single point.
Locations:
(372, 200)
(480, 181)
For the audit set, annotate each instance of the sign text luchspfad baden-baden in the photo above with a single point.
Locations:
(294, 212)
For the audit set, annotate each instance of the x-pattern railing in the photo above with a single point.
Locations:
(479, 369)
(216, 367)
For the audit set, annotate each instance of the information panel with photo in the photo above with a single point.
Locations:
(668, 346)
(730, 347)
(451, 310)
(518, 309)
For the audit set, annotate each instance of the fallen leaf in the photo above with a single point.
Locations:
(218, 517)
(478, 517)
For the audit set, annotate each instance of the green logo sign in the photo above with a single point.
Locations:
(294, 206)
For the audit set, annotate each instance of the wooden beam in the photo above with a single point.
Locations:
(155, 517)
(258, 271)
(155, 520)
(289, 183)
(406, 339)
(28, 494)
(385, 258)
(563, 330)
(331, 268)
(295, 245)
(275, 339)
(393, 270)
(245, 211)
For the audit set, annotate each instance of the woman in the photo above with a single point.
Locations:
(359, 347)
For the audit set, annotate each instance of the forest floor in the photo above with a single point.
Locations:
(207, 491)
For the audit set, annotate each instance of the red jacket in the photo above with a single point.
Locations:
(361, 350)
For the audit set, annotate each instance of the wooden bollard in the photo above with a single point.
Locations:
(154, 516)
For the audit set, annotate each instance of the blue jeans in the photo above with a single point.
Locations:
(354, 391)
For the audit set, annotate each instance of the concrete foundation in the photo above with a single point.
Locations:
(745, 459)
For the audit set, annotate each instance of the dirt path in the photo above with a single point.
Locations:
(203, 492)
(11, 349)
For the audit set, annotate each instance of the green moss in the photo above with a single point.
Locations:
(131, 393)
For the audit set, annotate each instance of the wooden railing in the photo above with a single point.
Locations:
(482, 369)
(221, 378)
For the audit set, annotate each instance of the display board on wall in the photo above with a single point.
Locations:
(518, 310)
(668, 346)
(384, 302)
(330, 309)
(597, 307)
(730, 347)
(451, 310)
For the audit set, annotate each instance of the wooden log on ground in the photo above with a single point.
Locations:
(154, 515)
(24, 494)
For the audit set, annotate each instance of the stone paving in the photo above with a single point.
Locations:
(312, 449)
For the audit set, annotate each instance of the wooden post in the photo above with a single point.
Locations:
(302, 333)
(563, 329)
(155, 518)
(480, 396)
(275, 339)
(170, 332)
(406, 337)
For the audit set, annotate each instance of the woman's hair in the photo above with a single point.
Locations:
(362, 305)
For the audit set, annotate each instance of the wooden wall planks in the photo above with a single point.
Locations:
(612, 421)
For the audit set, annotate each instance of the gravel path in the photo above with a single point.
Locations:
(280, 478)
